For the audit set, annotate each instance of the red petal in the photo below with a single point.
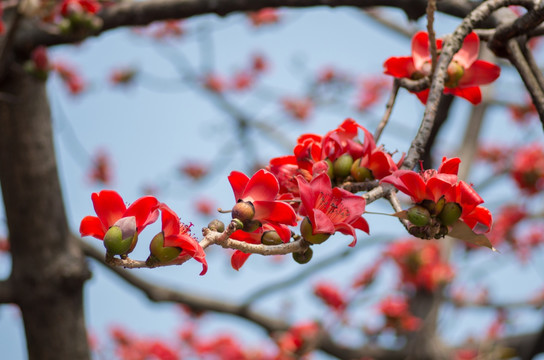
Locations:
(347, 229)
(423, 95)
(321, 223)
(449, 166)
(420, 49)
(238, 259)
(381, 164)
(480, 73)
(92, 226)
(145, 210)
(472, 94)
(262, 186)
(479, 220)
(283, 231)
(467, 197)
(170, 221)
(275, 211)
(399, 67)
(238, 182)
(409, 182)
(109, 207)
(439, 185)
(469, 51)
(190, 247)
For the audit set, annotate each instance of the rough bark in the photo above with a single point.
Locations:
(48, 267)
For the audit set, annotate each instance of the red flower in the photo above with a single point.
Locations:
(122, 76)
(264, 16)
(330, 210)
(101, 171)
(371, 91)
(259, 63)
(214, 82)
(331, 296)
(178, 235)
(70, 77)
(398, 317)
(261, 191)
(300, 109)
(242, 81)
(465, 72)
(528, 168)
(110, 208)
(428, 185)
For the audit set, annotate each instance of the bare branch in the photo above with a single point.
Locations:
(388, 110)
(6, 292)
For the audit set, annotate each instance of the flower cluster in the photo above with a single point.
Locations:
(331, 296)
(441, 200)
(420, 264)
(397, 315)
(465, 73)
(119, 228)
(303, 184)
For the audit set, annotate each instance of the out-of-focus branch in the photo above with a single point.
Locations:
(6, 292)
(388, 110)
(516, 57)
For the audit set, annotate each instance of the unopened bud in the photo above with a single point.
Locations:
(271, 238)
(434, 207)
(216, 225)
(342, 166)
(121, 238)
(455, 73)
(361, 173)
(160, 253)
(450, 214)
(303, 258)
(307, 232)
(244, 211)
(418, 215)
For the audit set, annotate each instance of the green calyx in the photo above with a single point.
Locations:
(450, 214)
(342, 166)
(455, 73)
(360, 173)
(160, 253)
(271, 238)
(121, 238)
(418, 215)
(304, 257)
(306, 230)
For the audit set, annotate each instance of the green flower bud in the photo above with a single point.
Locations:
(271, 238)
(361, 173)
(330, 171)
(450, 214)
(243, 210)
(303, 258)
(121, 238)
(216, 225)
(342, 166)
(455, 73)
(252, 225)
(306, 230)
(434, 207)
(418, 215)
(160, 253)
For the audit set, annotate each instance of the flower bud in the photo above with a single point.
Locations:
(330, 171)
(306, 230)
(455, 73)
(251, 225)
(342, 166)
(361, 173)
(271, 238)
(244, 211)
(418, 215)
(160, 253)
(303, 258)
(450, 214)
(216, 225)
(121, 238)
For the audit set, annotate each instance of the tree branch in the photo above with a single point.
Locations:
(6, 292)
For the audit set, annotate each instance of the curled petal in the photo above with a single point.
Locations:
(399, 67)
(170, 221)
(409, 182)
(92, 226)
(275, 211)
(420, 49)
(469, 51)
(190, 247)
(238, 259)
(109, 206)
(480, 73)
(479, 220)
(145, 210)
(238, 182)
(262, 186)
(441, 184)
(449, 166)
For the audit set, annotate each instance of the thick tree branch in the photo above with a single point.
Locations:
(6, 292)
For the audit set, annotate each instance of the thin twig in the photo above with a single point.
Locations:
(388, 110)
(431, 8)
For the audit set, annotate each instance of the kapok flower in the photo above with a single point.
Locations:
(265, 16)
(328, 210)
(175, 241)
(257, 200)
(528, 168)
(117, 224)
(68, 7)
(465, 72)
(397, 315)
(331, 296)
